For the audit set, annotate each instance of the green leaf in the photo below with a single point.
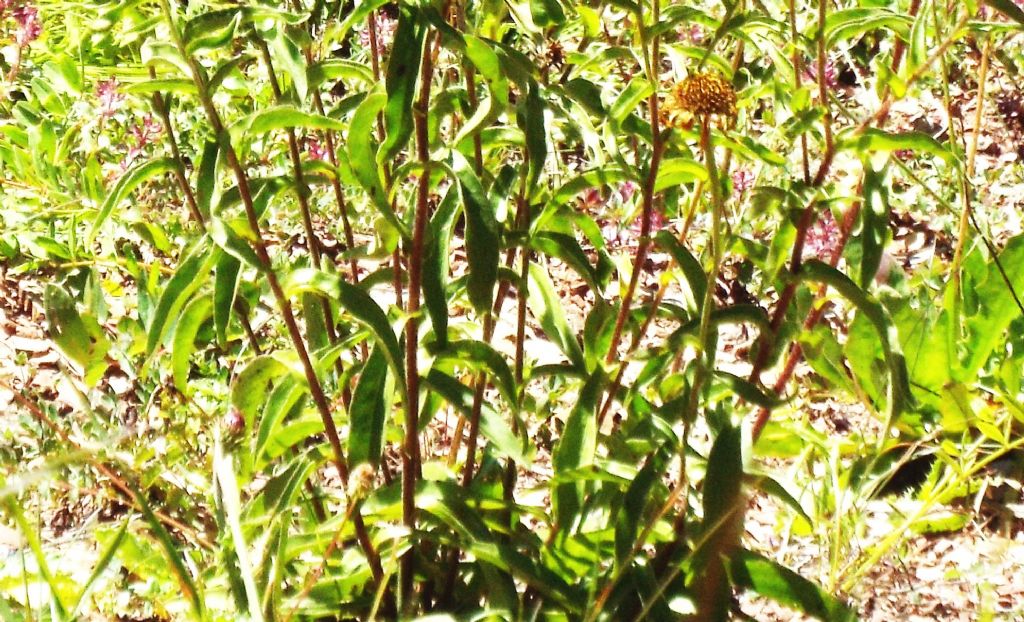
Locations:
(454, 506)
(566, 248)
(751, 571)
(250, 388)
(283, 399)
(492, 425)
(693, 273)
(631, 515)
(289, 57)
(1008, 8)
(484, 354)
(368, 312)
(997, 307)
(229, 498)
(678, 171)
(547, 13)
(311, 280)
(337, 69)
(225, 289)
(637, 91)
(227, 238)
(281, 117)
(125, 185)
(210, 30)
(178, 86)
(174, 557)
(594, 178)
(899, 388)
(535, 131)
(362, 154)
(875, 214)
(721, 527)
(190, 275)
(435, 265)
(78, 336)
(402, 77)
(483, 244)
(852, 23)
(488, 64)
(183, 342)
(873, 139)
(547, 307)
(576, 448)
(207, 191)
(107, 556)
(368, 412)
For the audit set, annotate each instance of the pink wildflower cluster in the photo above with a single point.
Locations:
(316, 149)
(109, 96)
(386, 27)
(742, 182)
(143, 134)
(26, 17)
(823, 238)
(831, 74)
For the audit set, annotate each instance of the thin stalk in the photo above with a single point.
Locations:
(798, 68)
(652, 59)
(968, 176)
(706, 356)
(809, 214)
(301, 194)
(411, 444)
(163, 110)
(284, 305)
(179, 166)
(659, 297)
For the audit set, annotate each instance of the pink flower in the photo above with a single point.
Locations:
(822, 238)
(110, 98)
(904, 154)
(593, 198)
(695, 34)
(315, 149)
(742, 181)
(658, 221)
(29, 26)
(626, 191)
(144, 134)
(386, 27)
(831, 75)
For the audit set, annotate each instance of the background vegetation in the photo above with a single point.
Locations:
(501, 310)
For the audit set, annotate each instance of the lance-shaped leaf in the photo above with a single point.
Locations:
(899, 386)
(190, 275)
(368, 410)
(78, 336)
(875, 231)
(435, 264)
(482, 239)
(751, 571)
(403, 75)
(183, 342)
(125, 185)
(576, 449)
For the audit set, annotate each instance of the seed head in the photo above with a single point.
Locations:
(360, 481)
(704, 94)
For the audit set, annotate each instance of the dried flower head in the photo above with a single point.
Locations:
(360, 481)
(704, 94)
